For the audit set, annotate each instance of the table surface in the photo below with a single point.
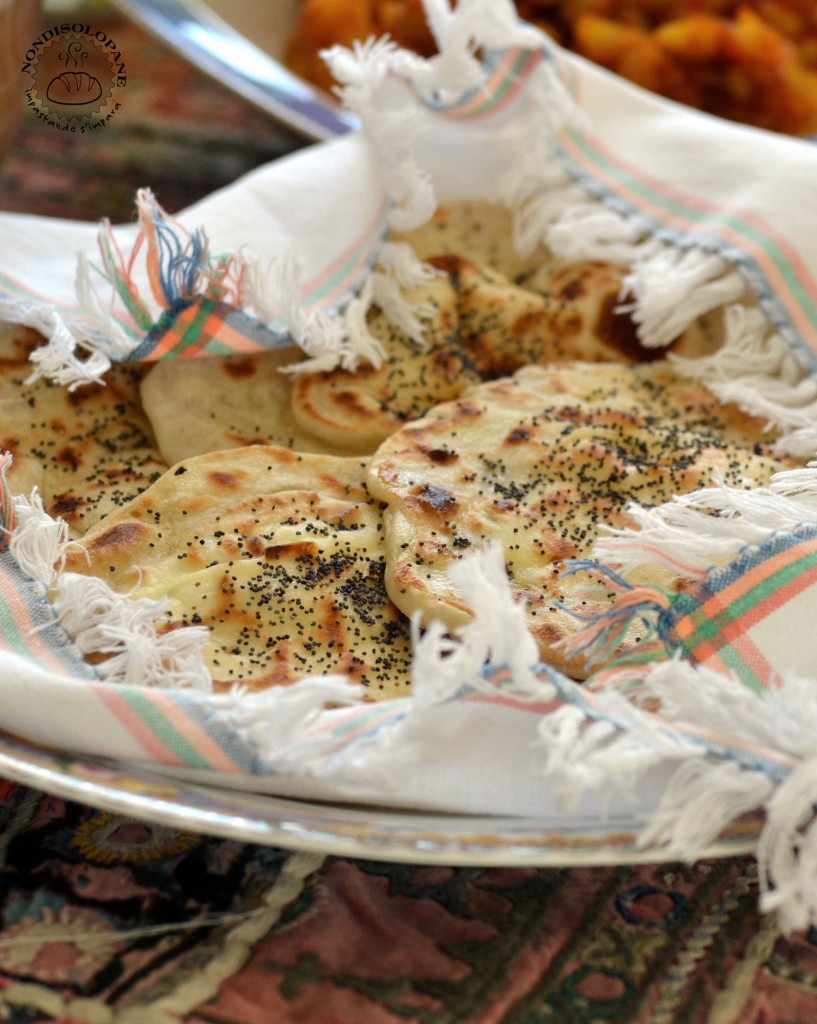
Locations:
(108, 919)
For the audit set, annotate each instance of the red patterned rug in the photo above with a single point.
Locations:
(109, 919)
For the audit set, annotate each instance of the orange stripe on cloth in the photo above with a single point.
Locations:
(192, 333)
(734, 629)
(786, 271)
(163, 728)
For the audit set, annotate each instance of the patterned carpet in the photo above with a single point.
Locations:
(107, 920)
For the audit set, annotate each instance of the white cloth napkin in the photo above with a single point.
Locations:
(706, 215)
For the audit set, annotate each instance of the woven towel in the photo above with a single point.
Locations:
(705, 215)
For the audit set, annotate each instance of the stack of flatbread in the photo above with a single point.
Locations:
(306, 518)
(87, 451)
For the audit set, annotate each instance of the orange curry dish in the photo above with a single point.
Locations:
(753, 62)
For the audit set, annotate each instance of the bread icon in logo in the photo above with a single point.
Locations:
(74, 86)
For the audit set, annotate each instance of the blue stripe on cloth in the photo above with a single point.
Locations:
(29, 626)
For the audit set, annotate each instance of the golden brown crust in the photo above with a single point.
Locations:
(280, 555)
(556, 314)
(539, 462)
(483, 326)
(88, 451)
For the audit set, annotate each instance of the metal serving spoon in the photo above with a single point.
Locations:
(206, 40)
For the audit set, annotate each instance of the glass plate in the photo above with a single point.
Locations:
(569, 840)
(241, 45)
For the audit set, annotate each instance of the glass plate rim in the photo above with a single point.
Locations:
(333, 829)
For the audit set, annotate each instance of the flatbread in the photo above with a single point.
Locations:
(483, 316)
(538, 462)
(301, 556)
(482, 230)
(279, 555)
(483, 326)
(561, 313)
(213, 404)
(216, 403)
(88, 451)
(359, 408)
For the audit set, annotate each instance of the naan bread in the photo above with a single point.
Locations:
(88, 451)
(359, 408)
(483, 317)
(481, 229)
(215, 403)
(566, 313)
(279, 555)
(483, 326)
(538, 463)
(268, 534)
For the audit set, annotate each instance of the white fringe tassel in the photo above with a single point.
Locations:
(58, 360)
(703, 797)
(329, 339)
(787, 851)
(99, 307)
(756, 369)
(99, 620)
(672, 287)
(363, 74)
(590, 231)
(497, 635)
(460, 31)
(698, 531)
(278, 721)
(611, 751)
(125, 630)
(38, 542)
(782, 718)
(332, 338)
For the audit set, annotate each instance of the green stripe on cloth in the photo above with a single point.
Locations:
(708, 626)
(12, 638)
(29, 626)
(520, 62)
(342, 277)
(194, 329)
(140, 315)
(154, 720)
(695, 217)
(734, 660)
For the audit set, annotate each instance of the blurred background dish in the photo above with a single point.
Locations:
(752, 61)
